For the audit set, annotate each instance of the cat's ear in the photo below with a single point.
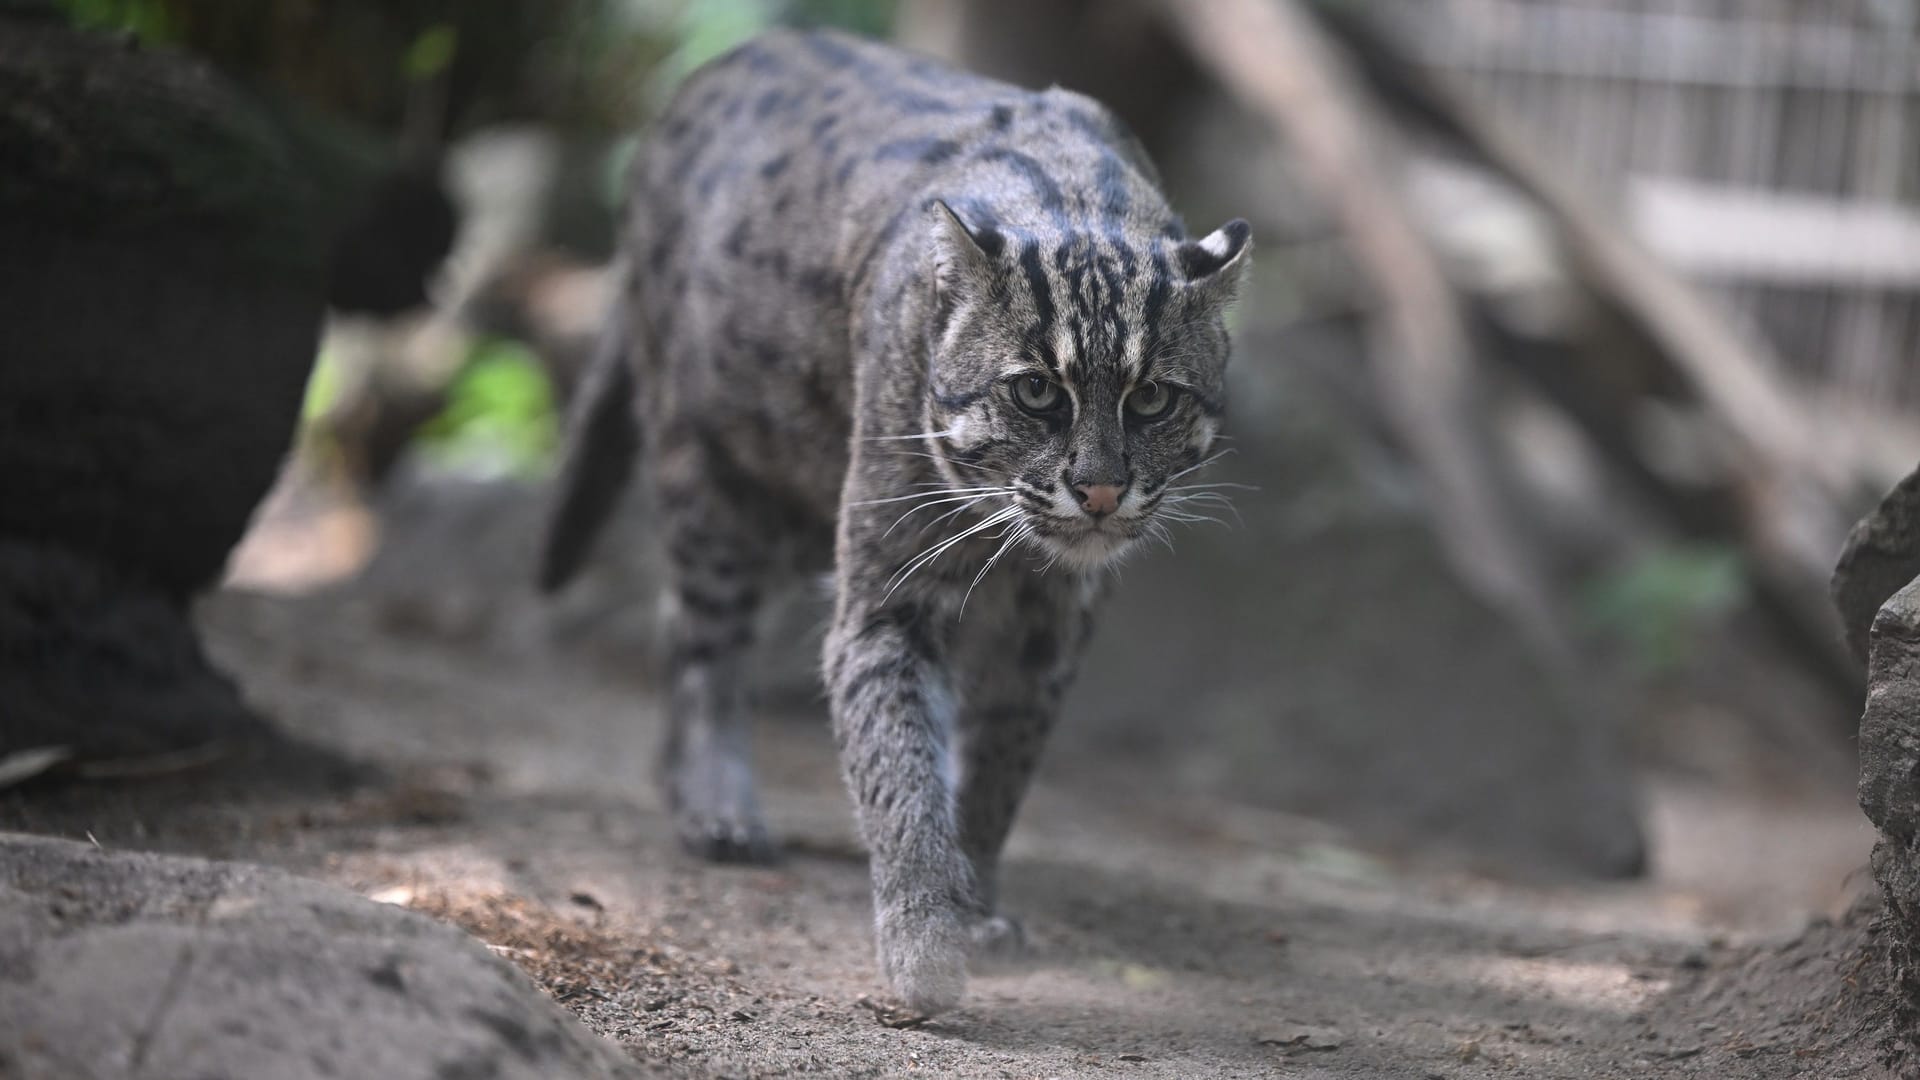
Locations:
(964, 254)
(1216, 261)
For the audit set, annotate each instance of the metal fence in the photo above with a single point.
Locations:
(1770, 148)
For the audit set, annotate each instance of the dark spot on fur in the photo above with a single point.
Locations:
(769, 103)
(1001, 118)
(776, 166)
(1045, 191)
(831, 52)
(915, 103)
(818, 281)
(955, 401)
(1110, 181)
(758, 58)
(1042, 292)
(1040, 650)
(664, 241)
(922, 149)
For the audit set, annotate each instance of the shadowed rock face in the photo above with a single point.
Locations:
(161, 282)
(161, 286)
(122, 965)
(1881, 557)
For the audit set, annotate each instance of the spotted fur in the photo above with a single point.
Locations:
(929, 323)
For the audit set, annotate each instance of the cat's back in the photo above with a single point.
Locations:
(809, 144)
(799, 116)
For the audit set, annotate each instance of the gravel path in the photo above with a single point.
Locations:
(1172, 937)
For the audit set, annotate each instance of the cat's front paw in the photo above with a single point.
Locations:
(923, 954)
(997, 938)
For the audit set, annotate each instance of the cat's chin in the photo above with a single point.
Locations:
(1087, 549)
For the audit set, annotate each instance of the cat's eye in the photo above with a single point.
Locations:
(1038, 395)
(1150, 400)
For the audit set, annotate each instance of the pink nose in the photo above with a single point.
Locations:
(1099, 499)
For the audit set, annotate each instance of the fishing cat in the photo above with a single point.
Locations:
(946, 330)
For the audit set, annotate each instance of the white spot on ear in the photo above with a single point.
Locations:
(1217, 243)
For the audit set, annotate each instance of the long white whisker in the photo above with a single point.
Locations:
(950, 515)
(955, 461)
(925, 494)
(915, 564)
(1221, 484)
(905, 438)
(1210, 460)
(1013, 537)
(1210, 498)
(1189, 519)
(926, 558)
(964, 501)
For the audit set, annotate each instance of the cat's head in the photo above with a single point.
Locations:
(1081, 374)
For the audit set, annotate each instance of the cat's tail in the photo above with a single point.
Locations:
(603, 439)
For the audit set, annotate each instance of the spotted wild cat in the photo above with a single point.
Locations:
(947, 331)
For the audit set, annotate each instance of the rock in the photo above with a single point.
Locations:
(1876, 589)
(161, 287)
(117, 965)
(1890, 779)
(104, 669)
(161, 284)
(1881, 555)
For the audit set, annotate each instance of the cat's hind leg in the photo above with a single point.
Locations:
(718, 568)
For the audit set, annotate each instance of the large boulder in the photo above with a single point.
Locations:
(122, 965)
(1882, 556)
(161, 288)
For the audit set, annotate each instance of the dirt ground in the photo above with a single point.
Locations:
(1171, 936)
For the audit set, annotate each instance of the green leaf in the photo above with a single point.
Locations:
(500, 416)
(323, 387)
(1660, 602)
(146, 20)
(432, 52)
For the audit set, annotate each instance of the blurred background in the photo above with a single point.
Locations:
(1579, 334)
